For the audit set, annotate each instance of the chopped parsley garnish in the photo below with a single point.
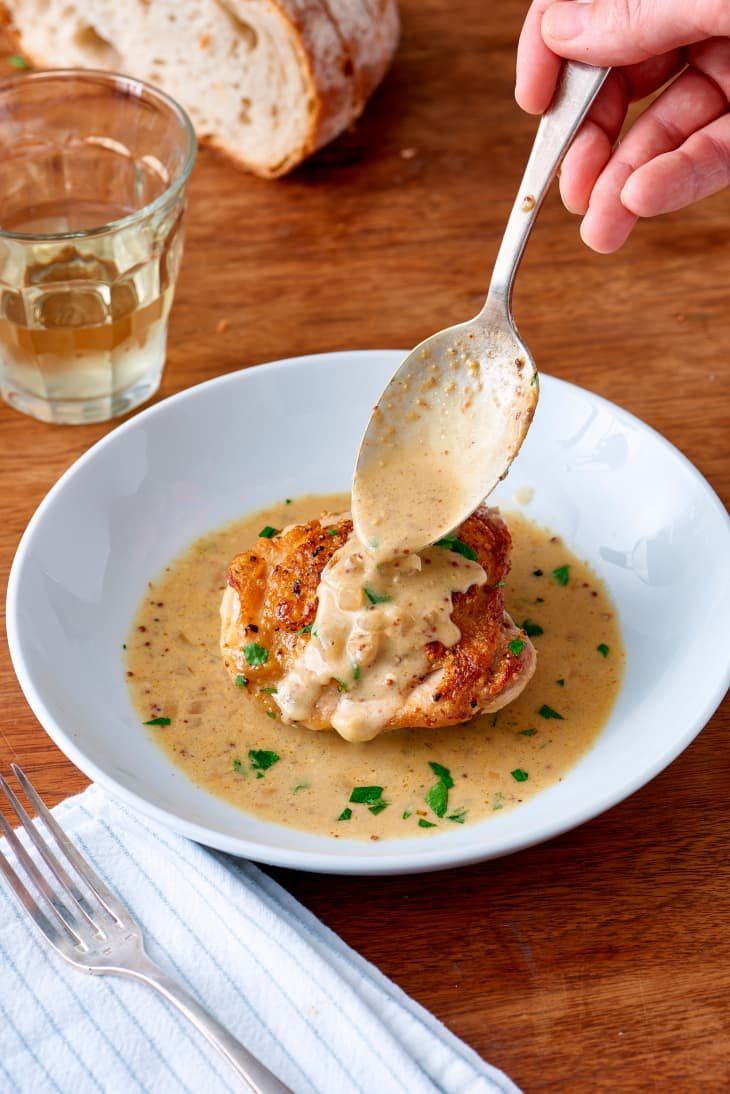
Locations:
(355, 671)
(533, 381)
(548, 712)
(306, 629)
(267, 532)
(519, 775)
(499, 584)
(255, 654)
(375, 598)
(458, 816)
(261, 760)
(407, 813)
(516, 646)
(425, 824)
(603, 649)
(560, 682)
(124, 645)
(287, 501)
(241, 681)
(332, 531)
(300, 786)
(17, 61)
(239, 768)
(372, 796)
(378, 806)
(453, 543)
(270, 714)
(441, 773)
(528, 732)
(158, 722)
(270, 691)
(366, 795)
(341, 685)
(532, 629)
(345, 814)
(562, 575)
(438, 798)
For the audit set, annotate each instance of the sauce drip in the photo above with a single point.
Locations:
(443, 433)
(375, 616)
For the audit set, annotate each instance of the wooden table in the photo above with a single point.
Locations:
(599, 961)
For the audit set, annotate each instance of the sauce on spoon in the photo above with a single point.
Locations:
(441, 437)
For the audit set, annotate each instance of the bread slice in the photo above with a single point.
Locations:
(266, 81)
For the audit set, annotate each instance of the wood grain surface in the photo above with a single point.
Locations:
(600, 961)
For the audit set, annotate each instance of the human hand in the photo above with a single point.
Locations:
(678, 150)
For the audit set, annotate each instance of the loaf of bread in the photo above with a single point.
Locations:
(266, 81)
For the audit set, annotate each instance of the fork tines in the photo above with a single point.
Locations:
(79, 917)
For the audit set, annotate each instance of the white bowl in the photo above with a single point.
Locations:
(621, 496)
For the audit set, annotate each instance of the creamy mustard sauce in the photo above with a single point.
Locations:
(374, 619)
(442, 435)
(223, 741)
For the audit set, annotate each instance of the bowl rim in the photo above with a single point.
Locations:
(389, 859)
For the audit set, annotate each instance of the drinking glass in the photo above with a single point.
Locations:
(92, 196)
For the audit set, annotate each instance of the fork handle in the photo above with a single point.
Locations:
(255, 1075)
(577, 88)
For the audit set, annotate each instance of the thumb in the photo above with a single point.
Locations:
(623, 32)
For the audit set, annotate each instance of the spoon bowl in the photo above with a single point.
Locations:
(443, 433)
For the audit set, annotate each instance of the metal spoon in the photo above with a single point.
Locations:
(454, 415)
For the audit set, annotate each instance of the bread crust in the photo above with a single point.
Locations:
(343, 48)
(369, 30)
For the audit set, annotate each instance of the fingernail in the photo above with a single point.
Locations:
(566, 21)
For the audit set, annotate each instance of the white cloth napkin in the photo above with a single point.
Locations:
(322, 1018)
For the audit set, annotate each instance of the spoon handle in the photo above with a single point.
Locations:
(578, 86)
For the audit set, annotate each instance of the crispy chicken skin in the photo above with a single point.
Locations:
(272, 597)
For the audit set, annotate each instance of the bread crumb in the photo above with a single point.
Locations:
(223, 325)
(407, 153)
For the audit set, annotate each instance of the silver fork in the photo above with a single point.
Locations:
(92, 930)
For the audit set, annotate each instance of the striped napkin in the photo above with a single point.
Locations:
(322, 1018)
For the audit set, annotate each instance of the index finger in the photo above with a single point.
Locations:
(537, 66)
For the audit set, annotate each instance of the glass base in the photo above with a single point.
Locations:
(82, 411)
